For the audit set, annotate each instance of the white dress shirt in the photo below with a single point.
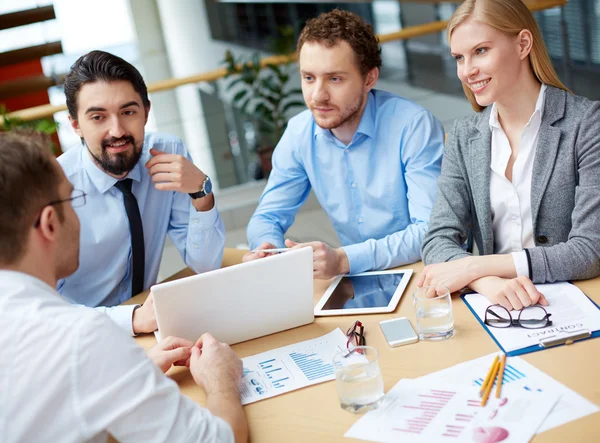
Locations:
(69, 374)
(511, 201)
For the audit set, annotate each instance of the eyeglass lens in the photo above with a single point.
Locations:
(533, 317)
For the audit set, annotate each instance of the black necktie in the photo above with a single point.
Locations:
(137, 236)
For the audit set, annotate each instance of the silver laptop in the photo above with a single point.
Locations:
(240, 302)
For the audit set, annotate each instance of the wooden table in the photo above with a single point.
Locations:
(313, 414)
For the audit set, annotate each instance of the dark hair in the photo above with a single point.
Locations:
(101, 66)
(332, 27)
(29, 180)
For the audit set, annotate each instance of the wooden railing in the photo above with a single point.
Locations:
(45, 111)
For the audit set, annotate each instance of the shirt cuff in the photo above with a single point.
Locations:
(521, 263)
(122, 316)
(203, 219)
(360, 257)
(278, 243)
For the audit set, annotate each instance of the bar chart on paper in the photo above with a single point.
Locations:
(417, 412)
(512, 374)
(420, 414)
(276, 372)
(312, 365)
(291, 367)
(416, 415)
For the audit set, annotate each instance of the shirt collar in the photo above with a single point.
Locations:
(12, 278)
(539, 109)
(367, 121)
(101, 179)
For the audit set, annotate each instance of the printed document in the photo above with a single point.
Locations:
(520, 376)
(291, 367)
(572, 311)
(415, 412)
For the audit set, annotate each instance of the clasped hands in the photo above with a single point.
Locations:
(213, 364)
(476, 273)
(327, 261)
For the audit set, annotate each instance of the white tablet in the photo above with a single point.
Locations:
(372, 292)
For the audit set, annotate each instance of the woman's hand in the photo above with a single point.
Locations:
(514, 293)
(455, 274)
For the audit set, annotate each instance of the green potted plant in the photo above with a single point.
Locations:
(264, 94)
(43, 125)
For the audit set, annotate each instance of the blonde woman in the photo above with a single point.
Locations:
(523, 174)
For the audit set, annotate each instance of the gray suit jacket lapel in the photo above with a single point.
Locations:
(479, 176)
(547, 147)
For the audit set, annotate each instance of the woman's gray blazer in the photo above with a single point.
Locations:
(565, 191)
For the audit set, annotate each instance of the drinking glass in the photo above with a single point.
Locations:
(433, 307)
(358, 378)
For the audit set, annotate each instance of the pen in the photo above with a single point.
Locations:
(271, 251)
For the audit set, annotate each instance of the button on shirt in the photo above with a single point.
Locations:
(511, 201)
(103, 278)
(68, 374)
(378, 191)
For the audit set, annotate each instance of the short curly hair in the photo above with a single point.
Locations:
(332, 27)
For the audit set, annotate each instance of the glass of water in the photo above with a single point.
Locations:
(433, 307)
(358, 378)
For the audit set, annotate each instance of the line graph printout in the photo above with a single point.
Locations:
(414, 412)
(291, 367)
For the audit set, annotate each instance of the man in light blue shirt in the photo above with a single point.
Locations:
(136, 187)
(371, 157)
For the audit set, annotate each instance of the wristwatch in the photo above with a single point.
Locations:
(205, 189)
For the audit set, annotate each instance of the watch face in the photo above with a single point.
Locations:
(207, 186)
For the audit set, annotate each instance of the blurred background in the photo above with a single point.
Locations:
(189, 53)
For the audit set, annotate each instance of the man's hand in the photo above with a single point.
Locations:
(256, 255)
(173, 172)
(217, 369)
(171, 351)
(327, 262)
(514, 293)
(454, 275)
(144, 317)
(215, 366)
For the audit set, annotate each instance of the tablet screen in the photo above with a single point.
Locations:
(365, 291)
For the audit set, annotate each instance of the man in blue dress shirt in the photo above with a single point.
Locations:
(137, 188)
(371, 157)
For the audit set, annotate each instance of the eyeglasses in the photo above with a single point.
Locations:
(356, 335)
(77, 199)
(531, 317)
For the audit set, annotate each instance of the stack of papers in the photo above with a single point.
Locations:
(420, 412)
(525, 387)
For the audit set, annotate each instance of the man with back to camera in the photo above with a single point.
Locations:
(371, 157)
(140, 187)
(69, 374)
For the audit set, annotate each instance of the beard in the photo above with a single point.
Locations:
(122, 162)
(349, 113)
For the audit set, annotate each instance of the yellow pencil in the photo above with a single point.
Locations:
(488, 389)
(500, 376)
(487, 377)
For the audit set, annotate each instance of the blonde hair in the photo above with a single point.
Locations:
(510, 17)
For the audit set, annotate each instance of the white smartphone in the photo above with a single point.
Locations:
(398, 331)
